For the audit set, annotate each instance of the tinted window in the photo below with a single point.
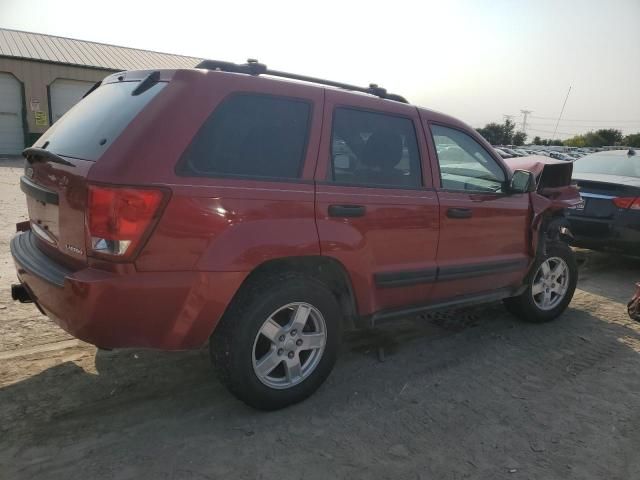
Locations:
(464, 163)
(374, 149)
(625, 165)
(251, 135)
(93, 124)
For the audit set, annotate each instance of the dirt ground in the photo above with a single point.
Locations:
(467, 394)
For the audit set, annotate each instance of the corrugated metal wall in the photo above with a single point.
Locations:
(35, 77)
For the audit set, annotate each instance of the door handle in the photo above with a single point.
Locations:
(459, 212)
(346, 211)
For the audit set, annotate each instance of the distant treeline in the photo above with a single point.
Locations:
(506, 134)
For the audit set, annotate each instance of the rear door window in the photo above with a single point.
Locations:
(94, 123)
(374, 149)
(251, 136)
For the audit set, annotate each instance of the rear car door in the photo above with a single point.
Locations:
(483, 229)
(376, 210)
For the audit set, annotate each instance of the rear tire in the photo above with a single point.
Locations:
(550, 286)
(278, 341)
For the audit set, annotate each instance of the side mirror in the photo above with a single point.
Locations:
(522, 181)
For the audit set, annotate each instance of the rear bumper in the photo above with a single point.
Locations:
(164, 310)
(619, 234)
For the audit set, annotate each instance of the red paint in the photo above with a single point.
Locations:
(166, 310)
(213, 233)
(399, 230)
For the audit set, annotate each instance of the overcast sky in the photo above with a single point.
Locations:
(474, 59)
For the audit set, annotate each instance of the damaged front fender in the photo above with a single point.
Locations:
(554, 193)
(548, 221)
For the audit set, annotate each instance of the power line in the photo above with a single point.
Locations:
(562, 124)
(582, 120)
(550, 131)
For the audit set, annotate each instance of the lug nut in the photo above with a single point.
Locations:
(290, 354)
(280, 351)
(281, 338)
(293, 332)
(299, 342)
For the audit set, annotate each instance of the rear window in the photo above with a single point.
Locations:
(94, 123)
(250, 136)
(624, 165)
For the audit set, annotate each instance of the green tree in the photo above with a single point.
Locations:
(519, 138)
(492, 132)
(610, 136)
(592, 139)
(497, 133)
(508, 129)
(537, 140)
(632, 140)
(577, 141)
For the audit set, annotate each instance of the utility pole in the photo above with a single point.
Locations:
(508, 117)
(524, 119)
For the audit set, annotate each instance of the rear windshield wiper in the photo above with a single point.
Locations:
(34, 154)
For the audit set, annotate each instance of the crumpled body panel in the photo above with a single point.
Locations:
(554, 190)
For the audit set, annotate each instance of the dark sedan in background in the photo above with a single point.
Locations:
(609, 216)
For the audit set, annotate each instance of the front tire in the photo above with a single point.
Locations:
(550, 286)
(278, 341)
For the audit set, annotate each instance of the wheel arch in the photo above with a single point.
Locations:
(555, 228)
(328, 270)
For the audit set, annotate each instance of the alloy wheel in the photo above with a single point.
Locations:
(289, 345)
(550, 283)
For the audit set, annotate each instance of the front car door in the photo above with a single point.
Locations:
(483, 229)
(376, 210)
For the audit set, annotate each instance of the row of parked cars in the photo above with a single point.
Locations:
(508, 152)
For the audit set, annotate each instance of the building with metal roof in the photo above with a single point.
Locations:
(43, 76)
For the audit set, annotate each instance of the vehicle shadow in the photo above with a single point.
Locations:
(140, 401)
(125, 380)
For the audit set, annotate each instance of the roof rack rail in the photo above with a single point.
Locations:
(253, 67)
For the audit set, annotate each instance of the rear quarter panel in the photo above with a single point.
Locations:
(213, 224)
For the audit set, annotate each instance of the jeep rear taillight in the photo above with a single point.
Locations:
(632, 203)
(118, 219)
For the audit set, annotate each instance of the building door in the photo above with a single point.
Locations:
(11, 129)
(64, 94)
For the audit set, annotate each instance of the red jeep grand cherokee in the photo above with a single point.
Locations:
(266, 212)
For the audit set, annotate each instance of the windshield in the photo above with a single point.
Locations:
(624, 165)
(92, 125)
